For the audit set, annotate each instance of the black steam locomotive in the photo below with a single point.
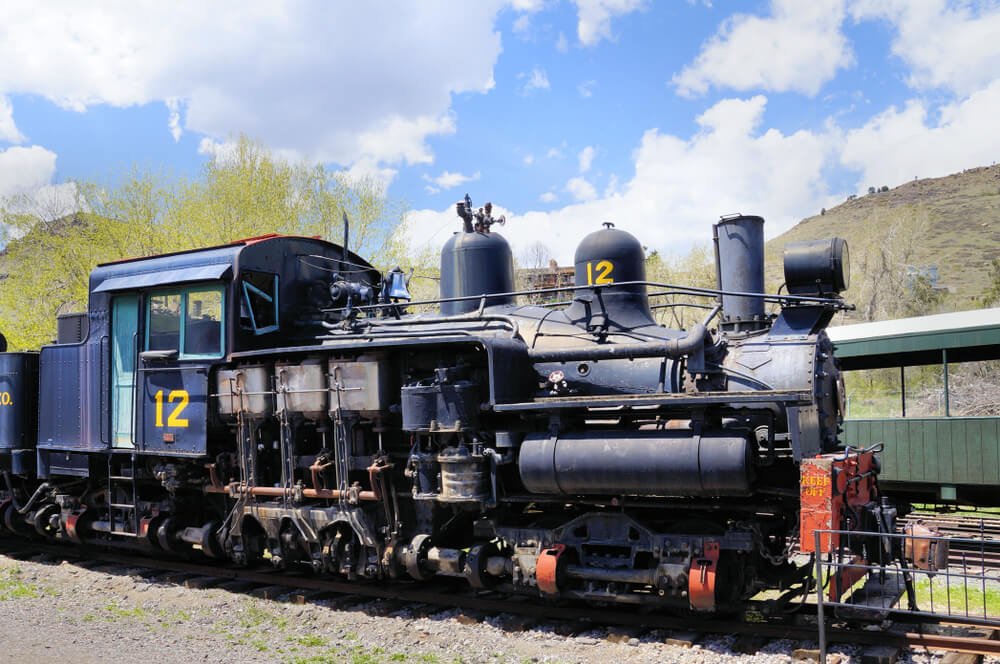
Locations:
(274, 400)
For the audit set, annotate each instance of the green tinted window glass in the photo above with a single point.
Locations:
(164, 322)
(203, 322)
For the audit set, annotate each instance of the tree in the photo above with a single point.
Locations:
(883, 283)
(536, 255)
(991, 295)
(241, 192)
(696, 268)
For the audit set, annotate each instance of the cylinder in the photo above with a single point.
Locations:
(740, 264)
(464, 476)
(475, 264)
(18, 400)
(637, 463)
(440, 406)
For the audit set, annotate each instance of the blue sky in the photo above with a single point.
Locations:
(658, 116)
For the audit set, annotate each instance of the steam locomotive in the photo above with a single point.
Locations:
(277, 401)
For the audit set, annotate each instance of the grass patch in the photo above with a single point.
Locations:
(118, 611)
(254, 616)
(177, 616)
(309, 641)
(12, 586)
(335, 658)
(960, 599)
(361, 655)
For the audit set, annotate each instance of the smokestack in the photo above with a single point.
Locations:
(739, 259)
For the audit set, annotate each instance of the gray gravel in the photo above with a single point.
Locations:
(61, 612)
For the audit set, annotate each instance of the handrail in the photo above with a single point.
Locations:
(674, 290)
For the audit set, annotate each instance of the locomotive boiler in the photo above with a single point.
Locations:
(280, 401)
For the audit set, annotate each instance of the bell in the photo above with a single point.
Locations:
(395, 285)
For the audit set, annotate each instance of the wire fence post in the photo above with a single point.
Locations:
(820, 618)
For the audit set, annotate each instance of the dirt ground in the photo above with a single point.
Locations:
(61, 612)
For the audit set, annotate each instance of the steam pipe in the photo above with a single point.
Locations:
(279, 492)
(672, 348)
(42, 488)
(473, 316)
(718, 262)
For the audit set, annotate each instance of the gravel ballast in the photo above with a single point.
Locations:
(58, 611)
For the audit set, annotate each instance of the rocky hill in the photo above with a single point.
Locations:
(947, 229)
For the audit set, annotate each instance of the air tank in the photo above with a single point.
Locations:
(638, 463)
(475, 264)
(739, 256)
(605, 257)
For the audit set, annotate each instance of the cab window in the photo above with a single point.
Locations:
(164, 328)
(259, 304)
(188, 320)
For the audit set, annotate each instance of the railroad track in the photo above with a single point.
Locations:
(424, 598)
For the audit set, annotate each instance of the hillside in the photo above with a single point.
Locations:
(949, 224)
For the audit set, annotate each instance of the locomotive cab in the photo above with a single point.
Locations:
(156, 328)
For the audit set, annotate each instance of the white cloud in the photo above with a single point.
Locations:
(562, 44)
(555, 152)
(586, 89)
(174, 120)
(682, 185)
(528, 159)
(594, 17)
(522, 25)
(8, 130)
(537, 79)
(612, 188)
(586, 158)
(397, 139)
(25, 168)
(898, 145)
(799, 47)
(448, 180)
(548, 197)
(580, 189)
(367, 168)
(315, 79)
(529, 6)
(955, 46)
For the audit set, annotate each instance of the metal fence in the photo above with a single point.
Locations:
(872, 576)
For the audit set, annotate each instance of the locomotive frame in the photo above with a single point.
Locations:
(272, 399)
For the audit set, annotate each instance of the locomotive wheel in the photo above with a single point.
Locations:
(414, 554)
(475, 566)
(15, 521)
(151, 539)
(210, 544)
(166, 536)
(42, 520)
(3, 507)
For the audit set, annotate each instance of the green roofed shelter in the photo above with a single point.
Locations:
(965, 336)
